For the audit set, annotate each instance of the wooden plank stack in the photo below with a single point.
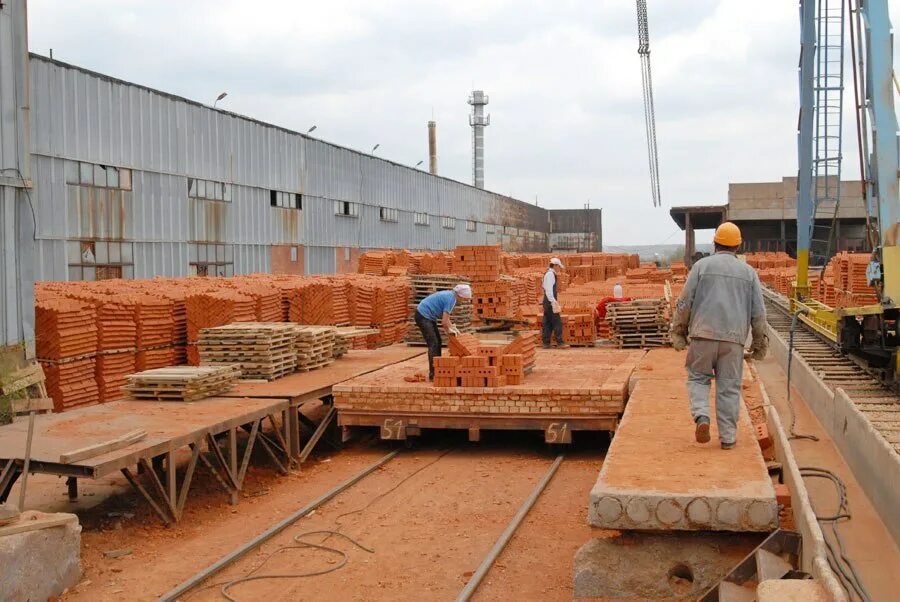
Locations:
(181, 383)
(422, 285)
(314, 346)
(478, 263)
(639, 323)
(259, 350)
(345, 337)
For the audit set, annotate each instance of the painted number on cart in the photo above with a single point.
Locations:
(393, 429)
(557, 432)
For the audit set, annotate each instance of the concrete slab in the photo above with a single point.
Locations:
(43, 562)
(656, 477)
(791, 590)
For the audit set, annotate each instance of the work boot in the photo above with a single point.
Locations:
(546, 346)
(701, 432)
(563, 346)
(728, 445)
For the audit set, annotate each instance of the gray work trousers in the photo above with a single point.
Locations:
(724, 361)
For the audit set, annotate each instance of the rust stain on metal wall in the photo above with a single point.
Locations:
(289, 224)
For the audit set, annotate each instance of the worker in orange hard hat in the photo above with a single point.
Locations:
(720, 305)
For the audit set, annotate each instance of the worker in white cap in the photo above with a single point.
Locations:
(552, 311)
(438, 307)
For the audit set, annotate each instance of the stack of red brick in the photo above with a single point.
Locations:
(479, 365)
(497, 299)
(477, 263)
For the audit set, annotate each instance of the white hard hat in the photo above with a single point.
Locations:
(463, 290)
(556, 261)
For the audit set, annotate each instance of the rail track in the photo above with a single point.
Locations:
(198, 580)
(877, 402)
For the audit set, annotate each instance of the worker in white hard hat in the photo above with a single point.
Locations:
(438, 307)
(552, 310)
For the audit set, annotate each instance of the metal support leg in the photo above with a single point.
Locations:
(320, 430)
(72, 487)
(8, 477)
(140, 489)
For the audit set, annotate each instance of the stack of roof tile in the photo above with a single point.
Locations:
(217, 308)
(66, 345)
(71, 384)
(111, 370)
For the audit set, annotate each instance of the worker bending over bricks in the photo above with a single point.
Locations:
(721, 302)
(552, 310)
(434, 307)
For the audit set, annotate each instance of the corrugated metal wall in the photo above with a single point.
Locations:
(16, 224)
(81, 117)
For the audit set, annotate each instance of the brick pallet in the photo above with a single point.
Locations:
(181, 383)
(65, 328)
(260, 350)
(156, 357)
(422, 285)
(639, 323)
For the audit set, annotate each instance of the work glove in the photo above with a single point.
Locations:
(454, 330)
(679, 341)
(556, 307)
(758, 348)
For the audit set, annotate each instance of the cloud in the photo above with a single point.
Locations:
(563, 78)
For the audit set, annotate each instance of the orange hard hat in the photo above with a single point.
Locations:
(728, 235)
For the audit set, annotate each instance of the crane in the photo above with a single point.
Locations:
(649, 114)
(870, 332)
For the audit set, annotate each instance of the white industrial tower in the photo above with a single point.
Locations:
(478, 120)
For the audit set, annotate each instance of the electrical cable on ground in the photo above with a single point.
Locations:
(298, 539)
(838, 558)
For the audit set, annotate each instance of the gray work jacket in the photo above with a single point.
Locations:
(721, 297)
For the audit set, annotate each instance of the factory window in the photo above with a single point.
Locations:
(346, 208)
(209, 190)
(422, 219)
(471, 225)
(210, 259)
(448, 222)
(285, 200)
(99, 260)
(389, 215)
(489, 228)
(101, 176)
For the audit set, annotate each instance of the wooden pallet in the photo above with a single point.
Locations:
(638, 323)
(260, 349)
(181, 383)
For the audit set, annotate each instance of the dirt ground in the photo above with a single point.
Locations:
(430, 516)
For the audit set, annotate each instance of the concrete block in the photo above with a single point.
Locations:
(39, 564)
(656, 477)
(791, 590)
(654, 566)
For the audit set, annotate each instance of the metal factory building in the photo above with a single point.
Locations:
(135, 182)
(766, 213)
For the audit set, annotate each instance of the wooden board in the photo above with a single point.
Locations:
(312, 385)
(102, 447)
(168, 426)
(30, 521)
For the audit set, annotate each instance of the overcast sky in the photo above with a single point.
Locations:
(563, 76)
